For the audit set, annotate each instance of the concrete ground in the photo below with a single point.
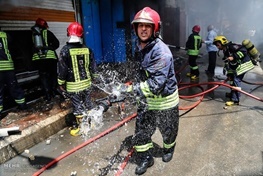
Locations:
(212, 140)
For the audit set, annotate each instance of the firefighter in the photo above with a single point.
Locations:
(237, 63)
(193, 45)
(76, 70)
(45, 57)
(155, 87)
(7, 74)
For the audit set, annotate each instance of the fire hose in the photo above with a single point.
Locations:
(216, 85)
(127, 119)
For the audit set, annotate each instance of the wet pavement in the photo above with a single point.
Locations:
(212, 139)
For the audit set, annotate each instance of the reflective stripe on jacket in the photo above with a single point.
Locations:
(45, 53)
(244, 67)
(157, 76)
(6, 62)
(156, 102)
(193, 44)
(74, 67)
(78, 84)
(242, 62)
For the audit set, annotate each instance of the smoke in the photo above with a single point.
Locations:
(236, 19)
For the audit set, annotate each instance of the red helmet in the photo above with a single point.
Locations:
(148, 15)
(41, 23)
(75, 28)
(196, 28)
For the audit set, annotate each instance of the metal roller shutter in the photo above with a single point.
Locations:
(18, 16)
(21, 15)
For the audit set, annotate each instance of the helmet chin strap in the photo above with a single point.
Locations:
(74, 39)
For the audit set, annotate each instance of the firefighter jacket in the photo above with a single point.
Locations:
(241, 63)
(50, 44)
(6, 62)
(156, 75)
(193, 44)
(76, 67)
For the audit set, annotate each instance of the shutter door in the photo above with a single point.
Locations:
(21, 15)
(18, 16)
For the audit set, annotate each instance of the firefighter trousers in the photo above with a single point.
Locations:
(81, 102)
(167, 122)
(47, 69)
(8, 80)
(235, 81)
(194, 70)
(211, 62)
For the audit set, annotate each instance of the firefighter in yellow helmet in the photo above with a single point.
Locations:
(237, 64)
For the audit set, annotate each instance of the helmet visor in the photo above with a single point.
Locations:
(142, 20)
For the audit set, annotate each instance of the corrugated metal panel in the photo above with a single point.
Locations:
(7, 25)
(65, 5)
(21, 15)
(58, 28)
(60, 31)
(32, 13)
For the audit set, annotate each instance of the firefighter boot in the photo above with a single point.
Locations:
(146, 160)
(232, 103)
(22, 106)
(75, 130)
(194, 77)
(188, 74)
(168, 154)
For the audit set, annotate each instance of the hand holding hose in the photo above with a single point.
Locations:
(231, 58)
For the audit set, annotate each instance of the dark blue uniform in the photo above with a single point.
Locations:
(159, 99)
(7, 74)
(45, 61)
(76, 68)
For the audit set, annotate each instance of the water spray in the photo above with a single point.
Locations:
(176, 47)
(94, 118)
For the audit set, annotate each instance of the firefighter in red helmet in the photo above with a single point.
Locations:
(41, 23)
(193, 44)
(76, 70)
(155, 86)
(44, 56)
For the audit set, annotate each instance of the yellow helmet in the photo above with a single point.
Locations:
(222, 39)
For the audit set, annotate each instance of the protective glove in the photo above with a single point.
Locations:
(96, 79)
(224, 71)
(131, 88)
(124, 88)
(62, 91)
(226, 68)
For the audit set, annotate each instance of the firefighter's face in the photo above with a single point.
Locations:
(219, 45)
(145, 31)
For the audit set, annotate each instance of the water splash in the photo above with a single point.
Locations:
(108, 83)
(92, 120)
